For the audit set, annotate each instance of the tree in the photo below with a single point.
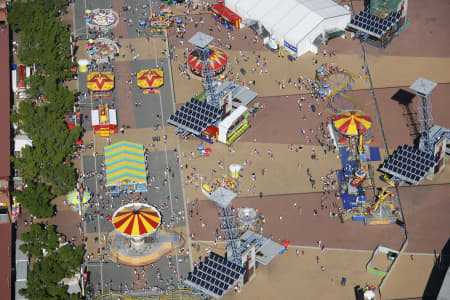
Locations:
(36, 198)
(62, 177)
(43, 281)
(38, 239)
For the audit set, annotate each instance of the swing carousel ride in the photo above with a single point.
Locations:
(137, 239)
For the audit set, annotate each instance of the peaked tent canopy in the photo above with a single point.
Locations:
(100, 81)
(153, 78)
(125, 167)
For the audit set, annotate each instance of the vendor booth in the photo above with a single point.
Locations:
(104, 120)
(225, 16)
(233, 126)
(126, 169)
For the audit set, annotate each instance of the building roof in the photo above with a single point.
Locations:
(5, 260)
(228, 121)
(423, 86)
(444, 292)
(5, 96)
(222, 197)
(201, 39)
(265, 248)
(244, 95)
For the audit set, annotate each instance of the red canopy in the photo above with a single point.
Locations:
(70, 126)
(226, 13)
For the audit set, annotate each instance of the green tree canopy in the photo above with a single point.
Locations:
(38, 239)
(36, 198)
(43, 281)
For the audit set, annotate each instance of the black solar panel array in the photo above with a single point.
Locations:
(409, 164)
(374, 25)
(215, 275)
(195, 116)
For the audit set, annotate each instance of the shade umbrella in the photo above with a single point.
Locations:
(286, 243)
(100, 81)
(321, 92)
(200, 147)
(153, 78)
(90, 41)
(320, 70)
(136, 219)
(208, 151)
(74, 198)
(326, 85)
(352, 122)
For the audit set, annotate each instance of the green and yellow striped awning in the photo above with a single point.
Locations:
(125, 164)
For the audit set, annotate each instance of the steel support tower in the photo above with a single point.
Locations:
(231, 235)
(423, 89)
(201, 42)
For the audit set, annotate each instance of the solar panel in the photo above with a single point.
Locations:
(410, 164)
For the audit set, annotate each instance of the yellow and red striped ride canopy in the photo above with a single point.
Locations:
(352, 122)
(136, 219)
(153, 78)
(100, 81)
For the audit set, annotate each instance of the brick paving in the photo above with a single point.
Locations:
(121, 29)
(125, 95)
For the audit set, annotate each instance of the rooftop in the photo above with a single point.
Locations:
(5, 260)
(5, 96)
(201, 40)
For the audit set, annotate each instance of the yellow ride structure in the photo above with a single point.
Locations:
(184, 294)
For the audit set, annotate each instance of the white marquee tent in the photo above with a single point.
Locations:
(296, 24)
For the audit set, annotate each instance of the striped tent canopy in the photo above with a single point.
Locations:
(100, 81)
(217, 60)
(74, 198)
(136, 219)
(125, 164)
(352, 122)
(153, 78)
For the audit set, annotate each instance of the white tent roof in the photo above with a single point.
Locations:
(231, 4)
(316, 5)
(292, 18)
(275, 16)
(264, 6)
(243, 7)
(301, 30)
(332, 11)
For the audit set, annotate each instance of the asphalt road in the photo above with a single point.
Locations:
(107, 275)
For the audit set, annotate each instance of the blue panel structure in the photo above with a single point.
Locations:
(214, 276)
(374, 154)
(195, 116)
(409, 164)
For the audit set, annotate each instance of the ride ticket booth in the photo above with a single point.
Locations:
(233, 126)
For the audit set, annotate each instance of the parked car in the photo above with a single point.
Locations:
(291, 58)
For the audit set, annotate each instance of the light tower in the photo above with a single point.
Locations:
(224, 199)
(201, 42)
(423, 89)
